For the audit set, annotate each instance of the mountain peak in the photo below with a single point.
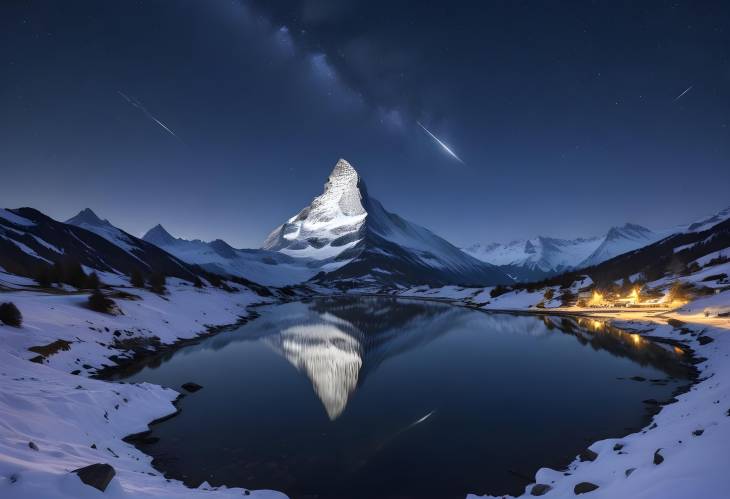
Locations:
(343, 168)
(336, 214)
(87, 217)
(158, 236)
(709, 222)
(343, 192)
(628, 231)
(223, 248)
(357, 240)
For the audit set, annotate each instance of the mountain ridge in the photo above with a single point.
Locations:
(536, 258)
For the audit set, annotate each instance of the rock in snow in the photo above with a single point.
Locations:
(540, 489)
(584, 487)
(587, 455)
(96, 475)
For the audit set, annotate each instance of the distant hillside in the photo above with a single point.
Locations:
(672, 255)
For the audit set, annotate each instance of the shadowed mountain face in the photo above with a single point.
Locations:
(30, 240)
(360, 243)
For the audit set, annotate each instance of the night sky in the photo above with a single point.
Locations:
(566, 114)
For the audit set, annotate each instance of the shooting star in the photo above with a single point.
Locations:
(682, 94)
(444, 146)
(421, 420)
(134, 102)
(380, 445)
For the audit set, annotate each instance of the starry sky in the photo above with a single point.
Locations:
(221, 118)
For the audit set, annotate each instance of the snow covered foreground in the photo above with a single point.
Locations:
(74, 421)
(64, 415)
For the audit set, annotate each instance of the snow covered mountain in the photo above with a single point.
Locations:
(696, 255)
(541, 257)
(538, 257)
(87, 219)
(709, 222)
(31, 241)
(270, 268)
(619, 240)
(358, 242)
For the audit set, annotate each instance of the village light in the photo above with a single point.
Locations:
(596, 299)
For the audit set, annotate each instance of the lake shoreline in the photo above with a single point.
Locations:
(140, 438)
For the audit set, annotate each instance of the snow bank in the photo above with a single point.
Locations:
(74, 421)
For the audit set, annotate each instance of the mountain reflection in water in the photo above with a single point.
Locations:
(337, 342)
(365, 397)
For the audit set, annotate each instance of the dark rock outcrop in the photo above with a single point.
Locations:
(584, 487)
(96, 475)
(540, 489)
(587, 455)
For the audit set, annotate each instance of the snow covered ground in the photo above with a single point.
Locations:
(74, 421)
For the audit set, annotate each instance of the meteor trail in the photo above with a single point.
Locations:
(387, 440)
(421, 420)
(682, 94)
(134, 102)
(445, 147)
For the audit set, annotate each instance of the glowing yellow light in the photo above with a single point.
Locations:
(596, 299)
(597, 325)
(678, 351)
(636, 339)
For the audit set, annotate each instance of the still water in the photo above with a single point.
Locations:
(363, 397)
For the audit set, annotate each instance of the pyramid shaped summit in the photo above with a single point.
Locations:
(357, 242)
(330, 223)
(343, 188)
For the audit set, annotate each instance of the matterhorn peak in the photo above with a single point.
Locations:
(343, 167)
(343, 192)
(356, 238)
(331, 221)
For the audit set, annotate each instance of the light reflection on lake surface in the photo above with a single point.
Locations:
(363, 397)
